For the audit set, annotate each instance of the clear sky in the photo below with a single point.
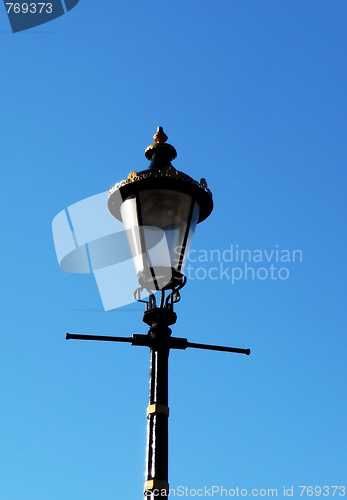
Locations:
(252, 94)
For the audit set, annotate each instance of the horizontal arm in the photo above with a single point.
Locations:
(147, 340)
(178, 343)
(77, 336)
(219, 348)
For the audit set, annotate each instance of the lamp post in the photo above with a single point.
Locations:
(160, 208)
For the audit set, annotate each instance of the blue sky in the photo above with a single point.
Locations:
(252, 94)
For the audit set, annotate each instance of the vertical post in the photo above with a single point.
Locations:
(156, 485)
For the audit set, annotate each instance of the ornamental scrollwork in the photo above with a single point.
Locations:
(168, 172)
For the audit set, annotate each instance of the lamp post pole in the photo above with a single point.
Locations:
(159, 205)
(158, 410)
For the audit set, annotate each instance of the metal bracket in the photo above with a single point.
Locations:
(155, 484)
(157, 408)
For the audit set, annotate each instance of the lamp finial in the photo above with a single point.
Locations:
(160, 136)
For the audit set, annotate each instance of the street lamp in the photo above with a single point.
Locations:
(160, 208)
(160, 203)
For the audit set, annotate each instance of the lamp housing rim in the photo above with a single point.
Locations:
(167, 178)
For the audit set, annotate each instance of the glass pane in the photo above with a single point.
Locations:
(161, 243)
(147, 244)
(129, 216)
(170, 211)
(193, 224)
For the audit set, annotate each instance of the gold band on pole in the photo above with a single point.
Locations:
(157, 408)
(156, 484)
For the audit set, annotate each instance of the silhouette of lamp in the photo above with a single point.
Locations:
(160, 208)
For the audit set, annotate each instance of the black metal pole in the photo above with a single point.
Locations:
(156, 485)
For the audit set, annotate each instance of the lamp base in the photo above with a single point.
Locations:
(159, 316)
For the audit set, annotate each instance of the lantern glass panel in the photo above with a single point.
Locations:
(160, 225)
